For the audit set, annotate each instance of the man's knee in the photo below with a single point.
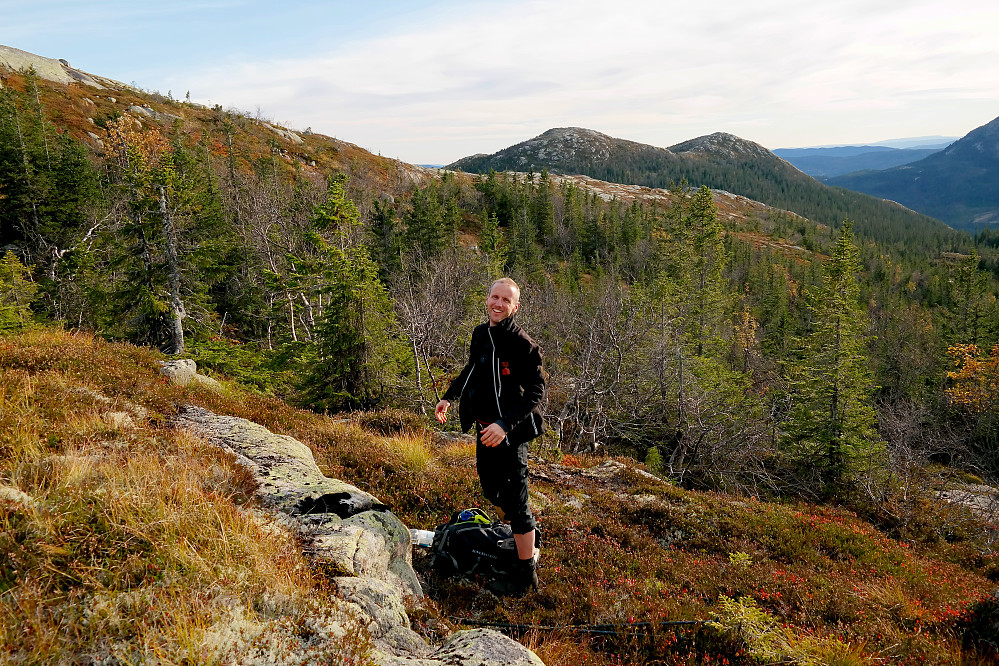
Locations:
(522, 521)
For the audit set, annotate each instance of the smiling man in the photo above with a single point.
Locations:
(500, 391)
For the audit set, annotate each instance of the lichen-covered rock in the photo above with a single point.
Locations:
(49, 69)
(980, 499)
(380, 600)
(396, 543)
(484, 647)
(151, 113)
(361, 545)
(208, 382)
(404, 642)
(17, 496)
(336, 547)
(350, 532)
(290, 480)
(184, 372)
(180, 372)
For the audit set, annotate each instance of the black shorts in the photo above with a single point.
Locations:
(503, 476)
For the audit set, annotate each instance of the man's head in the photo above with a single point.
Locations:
(503, 300)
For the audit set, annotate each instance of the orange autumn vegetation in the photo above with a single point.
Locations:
(976, 378)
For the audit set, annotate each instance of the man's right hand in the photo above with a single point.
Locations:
(441, 410)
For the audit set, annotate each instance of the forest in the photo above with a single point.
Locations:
(769, 355)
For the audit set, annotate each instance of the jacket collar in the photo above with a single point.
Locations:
(505, 325)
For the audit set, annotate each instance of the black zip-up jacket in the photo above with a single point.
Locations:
(510, 363)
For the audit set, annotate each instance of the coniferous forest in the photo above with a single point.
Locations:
(762, 353)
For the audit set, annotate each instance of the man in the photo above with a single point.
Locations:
(500, 390)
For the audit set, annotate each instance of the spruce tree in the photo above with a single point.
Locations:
(358, 354)
(17, 291)
(832, 426)
(711, 303)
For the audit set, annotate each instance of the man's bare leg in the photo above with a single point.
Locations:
(525, 545)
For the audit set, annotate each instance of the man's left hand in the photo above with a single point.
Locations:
(493, 435)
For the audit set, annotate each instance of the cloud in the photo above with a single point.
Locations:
(650, 71)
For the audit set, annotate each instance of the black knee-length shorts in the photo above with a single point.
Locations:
(503, 476)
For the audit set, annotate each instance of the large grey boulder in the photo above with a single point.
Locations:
(474, 647)
(180, 372)
(149, 112)
(184, 371)
(290, 480)
(484, 647)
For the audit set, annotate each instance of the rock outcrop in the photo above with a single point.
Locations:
(184, 372)
(50, 69)
(354, 538)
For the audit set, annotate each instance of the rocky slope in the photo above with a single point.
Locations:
(80, 103)
(50, 69)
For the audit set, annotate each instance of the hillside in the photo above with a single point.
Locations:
(81, 105)
(107, 555)
(720, 161)
(828, 162)
(958, 185)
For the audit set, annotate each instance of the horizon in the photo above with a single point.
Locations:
(434, 81)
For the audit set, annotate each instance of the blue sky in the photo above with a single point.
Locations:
(431, 81)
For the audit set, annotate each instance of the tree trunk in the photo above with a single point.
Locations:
(173, 270)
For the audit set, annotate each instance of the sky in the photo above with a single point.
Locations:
(431, 81)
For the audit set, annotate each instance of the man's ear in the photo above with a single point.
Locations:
(516, 307)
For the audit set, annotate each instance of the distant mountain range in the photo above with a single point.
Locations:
(720, 161)
(840, 160)
(959, 185)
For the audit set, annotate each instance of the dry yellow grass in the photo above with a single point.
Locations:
(413, 450)
(123, 540)
(458, 453)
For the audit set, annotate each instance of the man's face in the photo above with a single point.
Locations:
(502, 302)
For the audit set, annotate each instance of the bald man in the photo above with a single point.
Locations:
(500, 391)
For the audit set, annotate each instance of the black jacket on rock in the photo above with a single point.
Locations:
(503, 382)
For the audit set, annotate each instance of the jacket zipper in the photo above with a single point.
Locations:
(496, 392)
(465, 386)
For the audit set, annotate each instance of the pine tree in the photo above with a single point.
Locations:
(832, 425)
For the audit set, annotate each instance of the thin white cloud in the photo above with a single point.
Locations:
(793, 73)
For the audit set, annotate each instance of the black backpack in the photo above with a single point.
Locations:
(470, 543)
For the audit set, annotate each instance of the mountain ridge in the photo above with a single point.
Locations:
(720, 161)
(958, 184)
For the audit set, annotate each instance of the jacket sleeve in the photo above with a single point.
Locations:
(454, 390)
(532, 380)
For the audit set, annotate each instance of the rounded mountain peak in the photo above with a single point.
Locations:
(724, 144)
